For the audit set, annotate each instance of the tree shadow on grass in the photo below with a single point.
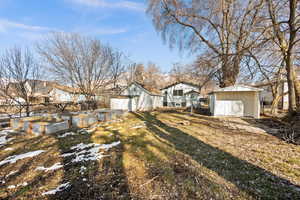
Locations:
(249, 178)
(94, 179)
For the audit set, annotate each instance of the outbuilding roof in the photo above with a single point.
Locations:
(238, 88)
(152, 92)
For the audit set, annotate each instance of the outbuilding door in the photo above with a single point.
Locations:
(229, 108)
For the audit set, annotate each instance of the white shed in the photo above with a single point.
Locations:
(237, 100)
(135, 97)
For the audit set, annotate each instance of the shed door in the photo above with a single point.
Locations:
(229, 108)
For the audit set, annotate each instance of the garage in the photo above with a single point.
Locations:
(236, 101)
(136, 98)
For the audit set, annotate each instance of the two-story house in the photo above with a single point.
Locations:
(181, 94)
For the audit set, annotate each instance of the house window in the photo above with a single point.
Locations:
(177, 92)
(165, 104)
(183, 104)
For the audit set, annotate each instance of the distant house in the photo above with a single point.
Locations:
(61, 93)
(237, 101)
(136, 97)
(181, 94)
(36, 90)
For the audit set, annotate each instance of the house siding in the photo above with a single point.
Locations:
(170, 100)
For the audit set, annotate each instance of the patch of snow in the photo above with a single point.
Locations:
(24, 184)
(52, 168)
(66, 134)
(11, 187)
(8, 149)
(3, 140)
(89, 152)
(15, 158)
(137, 127)
(87, 131)
(11, 173)
(82, 170)
(58, 189)
(109, 146)
(91, 130)
(82, 146)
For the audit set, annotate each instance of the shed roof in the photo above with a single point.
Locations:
(238, 88)
(152, 92)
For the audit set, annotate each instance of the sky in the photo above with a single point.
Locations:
(121, 23)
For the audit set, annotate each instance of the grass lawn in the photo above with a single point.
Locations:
(161, 155)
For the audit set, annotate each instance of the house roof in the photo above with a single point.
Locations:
(182, 82)
(192, 91)
(65, 88)
(153, 92)
(238, 88)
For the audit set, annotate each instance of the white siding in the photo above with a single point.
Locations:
(177, 99)
(235, 103)
(59, 95)
(122, 104)
(141, 99)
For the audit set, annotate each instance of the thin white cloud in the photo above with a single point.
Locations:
(6, 25)
(108, 31)
(109, 4)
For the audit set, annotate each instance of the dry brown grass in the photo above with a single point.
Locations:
(161, 158)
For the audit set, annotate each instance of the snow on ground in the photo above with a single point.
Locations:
(82, 170)
(4, 140)
(52, 168)
(89, 152)
(87, 131)
(109, 146)
(15, 158)
(58, 189)
(136, 127)
(3, 136)
(66, 134)
(11, 173)
(8, 149)
(15, 186)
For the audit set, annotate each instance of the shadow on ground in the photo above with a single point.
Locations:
(249, 178)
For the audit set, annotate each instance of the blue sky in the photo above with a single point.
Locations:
(121, 23)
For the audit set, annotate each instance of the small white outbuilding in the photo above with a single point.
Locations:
(136, 98)
(237, 101)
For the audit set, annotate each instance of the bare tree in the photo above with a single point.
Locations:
(284, 18)
(17, 68)
(82, 62)
(226, 28)
(117, 65)
(270, 71)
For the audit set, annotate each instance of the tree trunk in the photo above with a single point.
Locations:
(27, 110)
(291, 83)
(297, 91)
(276, 99)
(230, 74)
(274, 107)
